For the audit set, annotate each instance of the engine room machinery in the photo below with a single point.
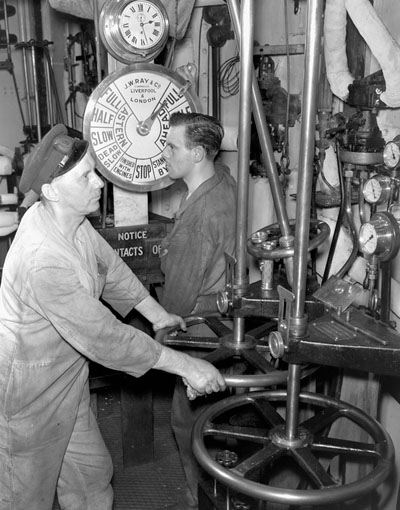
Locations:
(270, 444)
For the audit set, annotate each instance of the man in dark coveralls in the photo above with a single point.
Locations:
(193, 254)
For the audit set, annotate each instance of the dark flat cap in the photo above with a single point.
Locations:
(54, 155)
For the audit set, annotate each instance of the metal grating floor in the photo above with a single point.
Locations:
(149, 486)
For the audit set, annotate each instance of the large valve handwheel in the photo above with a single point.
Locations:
(262, 243)
(261, 446)
(215, 333)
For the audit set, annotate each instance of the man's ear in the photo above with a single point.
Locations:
(49, 192)
(199, 153)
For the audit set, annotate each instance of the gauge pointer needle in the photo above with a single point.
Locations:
(144, 126)
(367, 241)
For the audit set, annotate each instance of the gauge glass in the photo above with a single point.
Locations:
(372, 190)
(391, 154)
(368, 238)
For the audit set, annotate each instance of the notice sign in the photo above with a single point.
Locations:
(139, 247)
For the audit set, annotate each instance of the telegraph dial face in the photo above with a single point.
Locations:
(134, 30)
(127, 120)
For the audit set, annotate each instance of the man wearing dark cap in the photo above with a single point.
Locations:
(52, 322)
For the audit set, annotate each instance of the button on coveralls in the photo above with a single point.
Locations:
(51, 323)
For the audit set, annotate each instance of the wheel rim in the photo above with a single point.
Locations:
(381, 451)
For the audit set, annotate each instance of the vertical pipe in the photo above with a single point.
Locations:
(263, 134)
(97, 39)
(246, 58)
(304, 187)
(22, 17)
(292, 402)
(27, 87)
(49, 90)
(298, 321)
(36, 92)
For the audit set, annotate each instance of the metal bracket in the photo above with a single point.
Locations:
(286, 299)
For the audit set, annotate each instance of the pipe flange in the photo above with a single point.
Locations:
(361, 158)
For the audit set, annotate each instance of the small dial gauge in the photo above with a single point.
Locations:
(380, 236)
(368, 238)
(391, 153)
(377, 189)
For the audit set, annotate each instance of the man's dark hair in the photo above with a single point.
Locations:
(200, 129)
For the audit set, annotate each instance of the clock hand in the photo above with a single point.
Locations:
(143, 32)
(144, 126)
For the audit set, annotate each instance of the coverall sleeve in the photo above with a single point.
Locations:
(87, 325)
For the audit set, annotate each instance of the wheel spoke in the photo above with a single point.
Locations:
(250, 434)
(219, 354)
(313, 468)
(257, 361)
(217, 326)
(267, 411)
(259, 459)
(322, 419)
(333, 446)
(263, 330)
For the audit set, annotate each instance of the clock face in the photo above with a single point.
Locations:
(127, 120)
(142, 24)
(134, 30)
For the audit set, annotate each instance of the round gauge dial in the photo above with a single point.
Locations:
(368, 239)
(134, 30)
(127, 120)
(380, 236)
(391, 153)
(377, 189)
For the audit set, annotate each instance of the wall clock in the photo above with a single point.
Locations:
(126, 122)
(134, 30)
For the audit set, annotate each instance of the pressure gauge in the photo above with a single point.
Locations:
(126, 122)
(377, 189)
(134, 30)
(391, 153)
(380, 236)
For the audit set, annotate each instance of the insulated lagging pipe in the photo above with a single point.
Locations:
(382, 45)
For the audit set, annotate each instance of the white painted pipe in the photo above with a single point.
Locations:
(382, 45)
(8, 218)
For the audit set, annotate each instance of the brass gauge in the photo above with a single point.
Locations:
(377, 189)
(134, 30)
(380, 236)
(391, 153)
